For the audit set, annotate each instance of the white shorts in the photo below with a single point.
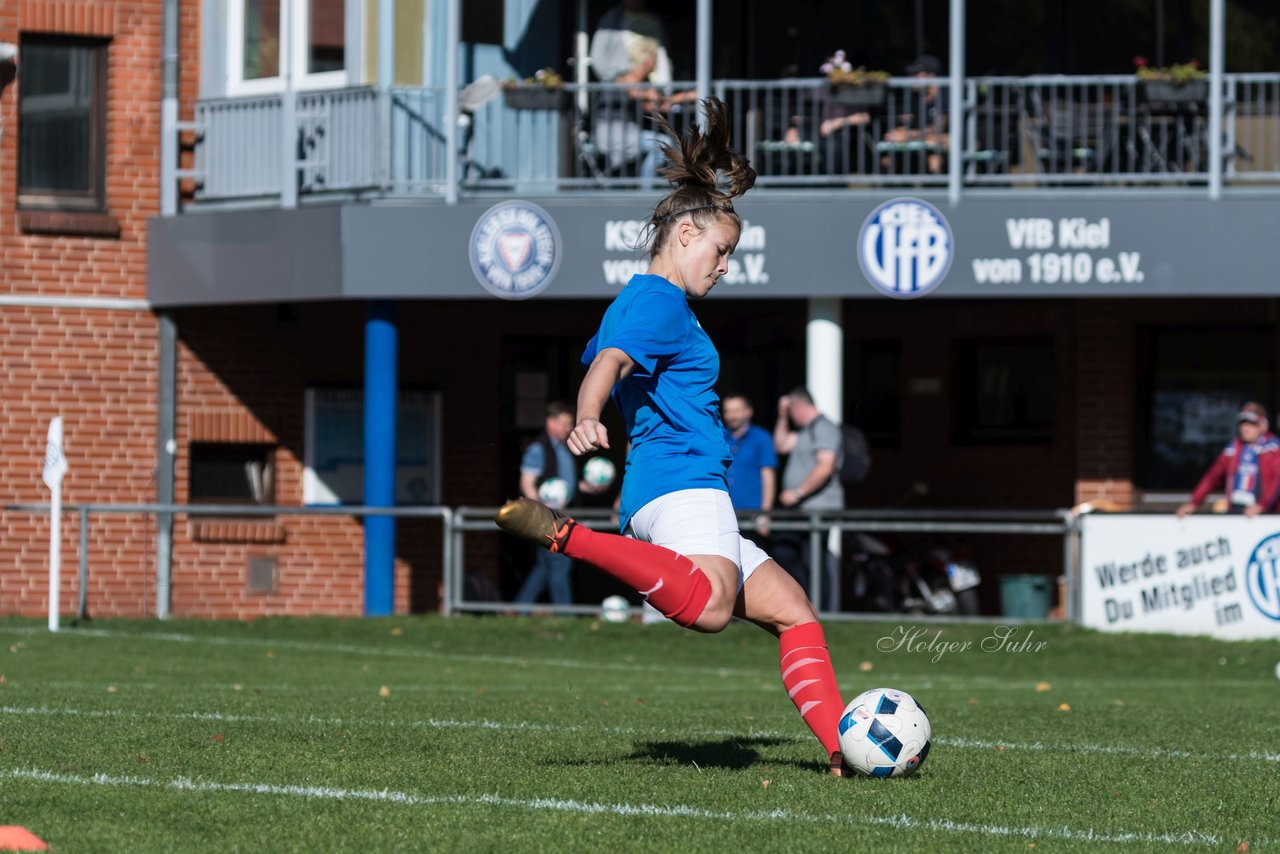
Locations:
(697, 522)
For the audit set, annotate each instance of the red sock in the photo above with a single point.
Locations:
(668, 581)
(810, 681)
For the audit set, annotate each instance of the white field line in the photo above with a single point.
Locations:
(896, 822)
(417, 653)
(526, 726)
(398, 687)
(522, 662)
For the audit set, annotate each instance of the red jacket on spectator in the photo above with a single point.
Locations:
(1222, 474)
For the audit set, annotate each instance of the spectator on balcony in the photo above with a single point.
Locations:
(610, 52)
(1248, 468)
(923, 119)
(620, 125)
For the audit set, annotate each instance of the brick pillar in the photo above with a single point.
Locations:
(1105, 403)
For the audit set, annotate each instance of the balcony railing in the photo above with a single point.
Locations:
(1045, 131)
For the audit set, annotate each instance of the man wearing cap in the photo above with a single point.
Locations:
(1248, 468)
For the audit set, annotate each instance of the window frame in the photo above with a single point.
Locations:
(295, 19)
(331, 479)
(93, 200)
(263, 453)
(879, 416)
(1146, 465)
(966, 430)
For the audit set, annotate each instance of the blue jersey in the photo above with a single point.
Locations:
(668, 402)
(752, 452)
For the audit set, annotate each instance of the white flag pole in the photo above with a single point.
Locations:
(55, 466)
(55, 553)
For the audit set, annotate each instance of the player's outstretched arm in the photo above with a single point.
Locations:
(609, 366)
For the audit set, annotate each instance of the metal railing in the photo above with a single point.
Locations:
(458, 522)
(817, 525)
(1016, 131)
(236, 511)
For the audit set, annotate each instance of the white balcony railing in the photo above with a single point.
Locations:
(1025, 131)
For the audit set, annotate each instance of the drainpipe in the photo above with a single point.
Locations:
(169, 111)
(166, 378)
(166, 446)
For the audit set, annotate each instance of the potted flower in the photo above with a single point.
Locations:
(853, 87)
(1180, 83)
(543, 91)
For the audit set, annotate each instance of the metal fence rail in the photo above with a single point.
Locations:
(458, 522)
(1059, 523)
(85, 511)
(1046, 130)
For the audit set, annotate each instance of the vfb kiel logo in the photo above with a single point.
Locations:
(905, 248)
(515, 250)
(1262, 577)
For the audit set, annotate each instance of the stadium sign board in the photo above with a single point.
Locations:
(1202, 575)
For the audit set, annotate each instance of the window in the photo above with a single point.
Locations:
(334, 436)
(325, 36)
(482, 22)
(263, 35)
(62, 126)
(232, 473)
(877, 391)
(1192, 382)
(1004, 391)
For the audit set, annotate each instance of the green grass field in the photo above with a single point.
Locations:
(562, 734)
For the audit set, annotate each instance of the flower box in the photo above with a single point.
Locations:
(866, 96)
(536, 98)
(1169, 92)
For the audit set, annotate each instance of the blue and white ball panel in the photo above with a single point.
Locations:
(884, 733)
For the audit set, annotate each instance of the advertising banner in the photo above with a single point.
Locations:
(1203, 575)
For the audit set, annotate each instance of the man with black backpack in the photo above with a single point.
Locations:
(814, 446)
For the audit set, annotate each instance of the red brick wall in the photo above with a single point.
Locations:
(95, 367)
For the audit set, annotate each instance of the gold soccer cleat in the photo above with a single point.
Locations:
(536, 522)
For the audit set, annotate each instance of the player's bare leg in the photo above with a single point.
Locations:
(696, 592)
(773, 600)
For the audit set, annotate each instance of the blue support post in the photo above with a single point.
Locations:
(381, 343)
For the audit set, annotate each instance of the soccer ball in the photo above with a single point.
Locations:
(884, 733)
(599, 472)
(554, 492)
(615, 609)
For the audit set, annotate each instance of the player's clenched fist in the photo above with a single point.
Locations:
(589, 435)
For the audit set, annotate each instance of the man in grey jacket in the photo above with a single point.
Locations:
(810, 481)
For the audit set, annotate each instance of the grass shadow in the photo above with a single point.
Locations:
(729, 753)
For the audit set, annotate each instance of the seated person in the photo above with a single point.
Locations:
(923, 120)
(620, 127)
(609, 53)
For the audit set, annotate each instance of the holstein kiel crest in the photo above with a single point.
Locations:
(905, 247)
(515, 250)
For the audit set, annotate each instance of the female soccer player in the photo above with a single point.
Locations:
(682, 550)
